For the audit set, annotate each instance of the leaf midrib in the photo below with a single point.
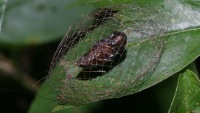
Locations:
(164, 35)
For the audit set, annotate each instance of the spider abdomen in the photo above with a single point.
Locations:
(103, 51)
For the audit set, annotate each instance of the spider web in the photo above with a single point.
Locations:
(145, 31)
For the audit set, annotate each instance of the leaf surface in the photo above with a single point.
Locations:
(187, 96)
(2, 11)
(36, 22)
(160, 43)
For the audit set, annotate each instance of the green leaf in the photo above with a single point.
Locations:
(2, 11)
(187, 96)
(99, 3)
(161, 42)
(36, 22)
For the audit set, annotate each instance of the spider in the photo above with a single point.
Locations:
(103, 51)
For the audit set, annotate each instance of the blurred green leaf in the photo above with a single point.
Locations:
(187, 96)
(98, 3)
(2, 11)
(36, 22)
(145, 64)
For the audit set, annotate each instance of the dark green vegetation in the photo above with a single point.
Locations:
(163, 40)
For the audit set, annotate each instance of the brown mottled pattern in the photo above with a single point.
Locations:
(104, 51)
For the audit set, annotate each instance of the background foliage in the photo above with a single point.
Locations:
(32, 29)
